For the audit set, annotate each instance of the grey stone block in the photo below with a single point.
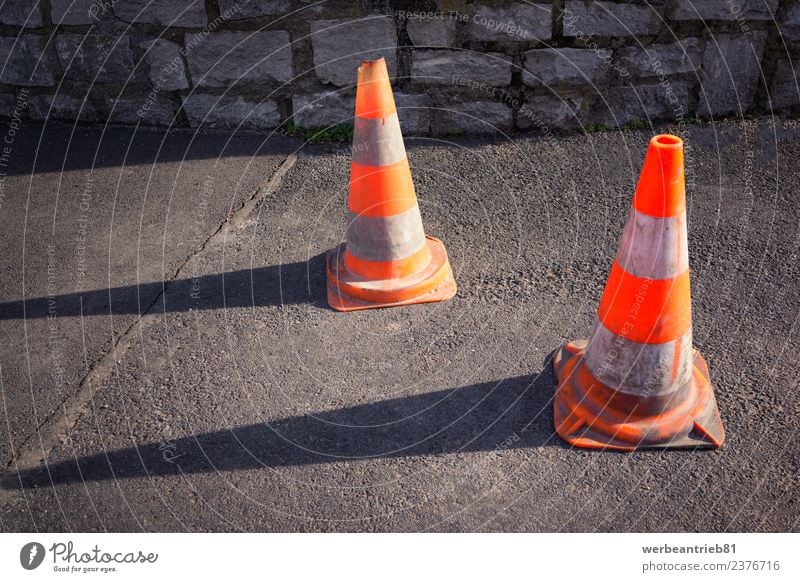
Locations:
(7, 104)
(784, 91)
(450, 67)
(25, 13)
(24, 64)
(15, 107)
(610, 19)
(62, 107)
(566, 66)
(75, 12)
(722, 9)
(130, 111)
(547, 112)
(731, 71)
(661, 59)
(414, 111)
(167, 71)
(223, 58)
(185, 13)
(432, 32)
(790, 23)
(341, 45)
(105, 55)
(323, 109)
(474, 117)
(621, 105)
(230, 112)
(239, 9)
(518, 22)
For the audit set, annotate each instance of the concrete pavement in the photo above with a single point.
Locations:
(211, 389)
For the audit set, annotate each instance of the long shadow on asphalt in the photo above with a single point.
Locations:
(509, 414)
(290, 283)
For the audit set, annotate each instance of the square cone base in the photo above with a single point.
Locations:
(583, 421)
(349, 292)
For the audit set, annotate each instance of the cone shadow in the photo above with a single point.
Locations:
(514, 413)
(289, 283)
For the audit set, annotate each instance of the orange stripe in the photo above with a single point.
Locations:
(379, 270)
(374, 94)
(381, 191)
(648, 311)
(661, 190)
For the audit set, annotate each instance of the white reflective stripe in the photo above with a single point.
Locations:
(385, 238)
(640, 369)
(654, 248)
(378, 142)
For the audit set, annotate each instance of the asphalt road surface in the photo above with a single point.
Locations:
(169, 361)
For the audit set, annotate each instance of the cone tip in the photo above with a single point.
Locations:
(661, 191)
(372, 67)
(666, 141)
(374, 91)
(372, 62)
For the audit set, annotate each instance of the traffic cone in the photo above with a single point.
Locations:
(387, 259)
(638, 383)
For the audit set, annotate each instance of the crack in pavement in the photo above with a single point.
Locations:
(72, 406)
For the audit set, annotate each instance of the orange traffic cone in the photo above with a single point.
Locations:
(638, 382)
(387, 259)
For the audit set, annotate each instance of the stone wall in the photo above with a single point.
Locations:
(459, 66)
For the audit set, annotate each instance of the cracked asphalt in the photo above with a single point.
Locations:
(169, 362)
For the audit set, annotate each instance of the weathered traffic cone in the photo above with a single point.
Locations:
(387, 259)
(638, 383)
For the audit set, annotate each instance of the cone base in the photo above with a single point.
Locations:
(585, 421)
(349, 292)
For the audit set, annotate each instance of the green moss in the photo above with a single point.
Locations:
(341, 133)
(595, 128)
(636, 124)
